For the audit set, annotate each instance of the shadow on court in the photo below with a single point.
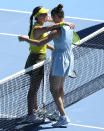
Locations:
(16, 125)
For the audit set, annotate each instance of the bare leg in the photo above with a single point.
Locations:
(54, 88)
(61, 88)
(35, 81)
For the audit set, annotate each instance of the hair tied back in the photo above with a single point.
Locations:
(59, 7)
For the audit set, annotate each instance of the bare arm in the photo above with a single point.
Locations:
(50, 47)
(39, 30)
(51, 36)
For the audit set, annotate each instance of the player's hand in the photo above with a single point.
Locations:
(22, 38)
(71, 25)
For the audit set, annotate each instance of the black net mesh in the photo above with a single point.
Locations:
(89, 64)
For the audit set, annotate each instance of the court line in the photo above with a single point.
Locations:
(87, 126)
(87, 19)
(27, 12)
(8, 34)
(17, 11)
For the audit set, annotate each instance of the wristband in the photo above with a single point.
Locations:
(62, 24)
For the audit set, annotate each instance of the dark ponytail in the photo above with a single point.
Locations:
(31, 18)
(31, 24)
(58, 11)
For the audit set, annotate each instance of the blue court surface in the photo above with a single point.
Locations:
(86, 114)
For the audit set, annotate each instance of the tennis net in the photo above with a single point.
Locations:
(89, 63)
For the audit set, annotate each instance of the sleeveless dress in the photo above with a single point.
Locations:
(37, 54)
(62, 56)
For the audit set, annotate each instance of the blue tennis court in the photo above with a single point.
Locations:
(83, 99)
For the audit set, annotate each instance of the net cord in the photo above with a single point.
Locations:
(24, 71)
(44, 91)
(88, 37)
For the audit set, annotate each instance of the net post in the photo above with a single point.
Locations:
(43, 91)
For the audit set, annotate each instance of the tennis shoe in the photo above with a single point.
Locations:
(54, 116)
(40, 111)
(33, 119)
(63, 121)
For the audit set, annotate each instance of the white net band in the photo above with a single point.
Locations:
(14, 89)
